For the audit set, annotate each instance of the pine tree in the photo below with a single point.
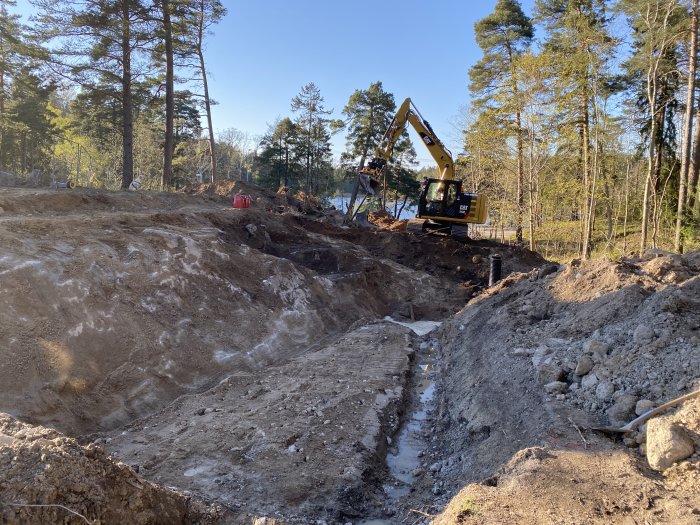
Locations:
(685, 185)
(15, 59)
(579, 46)
(184, 25)
(369, 113)
(101, 45)
(313, 127)
(28, 139)
(503, 36)
(207, 13)
(278, 162)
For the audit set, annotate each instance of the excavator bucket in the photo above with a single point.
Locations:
(369, 185)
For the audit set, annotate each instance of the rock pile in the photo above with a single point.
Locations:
(615, 339)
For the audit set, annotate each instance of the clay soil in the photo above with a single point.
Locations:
(167, 358)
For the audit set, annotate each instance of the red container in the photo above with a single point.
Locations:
(241, 201)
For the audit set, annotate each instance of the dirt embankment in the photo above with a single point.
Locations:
(115, 305)
(116, 308)
(49, 478)
(532, 366)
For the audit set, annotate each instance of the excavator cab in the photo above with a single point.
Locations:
(440, 197)
(443, 203)
(444, 198)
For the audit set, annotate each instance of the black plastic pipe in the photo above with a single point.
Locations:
(495, 269)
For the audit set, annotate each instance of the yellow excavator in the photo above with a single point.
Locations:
(442, 203)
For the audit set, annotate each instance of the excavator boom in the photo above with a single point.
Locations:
(408, 113)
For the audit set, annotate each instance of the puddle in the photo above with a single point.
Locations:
(420, 328)
(405, 457)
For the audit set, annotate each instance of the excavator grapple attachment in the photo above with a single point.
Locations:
(369, 184)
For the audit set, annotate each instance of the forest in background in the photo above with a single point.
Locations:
(584, 139)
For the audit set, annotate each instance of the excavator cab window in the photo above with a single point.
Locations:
(451, 193)
(435, 198)
(451, 204)
(436, 191)
(441, 198)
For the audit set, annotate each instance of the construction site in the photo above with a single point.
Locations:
(168, 358)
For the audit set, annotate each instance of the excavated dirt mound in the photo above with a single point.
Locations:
(117, 304)
(109, 314)
(558, 486)
(49, 478)
(545, 357)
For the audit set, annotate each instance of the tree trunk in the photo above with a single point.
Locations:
(356, 183)
(205, 85)
(694, 166)
(658, 166)
(403, 205)
(531, 191)
(687, 132)
(167, 176)
(520, 196)
(645, 200)
(127, 116)
(649, 181)
(77, 168)
(608, 196)
(587, 190)
(521, 179)
(627, 198)
(2, 113)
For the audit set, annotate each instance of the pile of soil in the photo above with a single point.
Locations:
(532, 366)
(49, 478)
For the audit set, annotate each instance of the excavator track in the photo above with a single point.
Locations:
(460, 232)
(415, 225)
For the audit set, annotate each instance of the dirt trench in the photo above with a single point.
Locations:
(238, 355)
(166, 358)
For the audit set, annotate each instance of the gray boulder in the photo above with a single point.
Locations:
(583, 365)
(667, 443)
(547, 373)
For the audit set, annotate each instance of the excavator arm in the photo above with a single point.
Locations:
(409, 114)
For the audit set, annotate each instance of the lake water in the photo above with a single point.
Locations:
(341, 202)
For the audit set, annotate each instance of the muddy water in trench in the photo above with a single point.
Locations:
(404, 456)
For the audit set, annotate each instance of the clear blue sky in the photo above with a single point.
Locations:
(262, 53)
